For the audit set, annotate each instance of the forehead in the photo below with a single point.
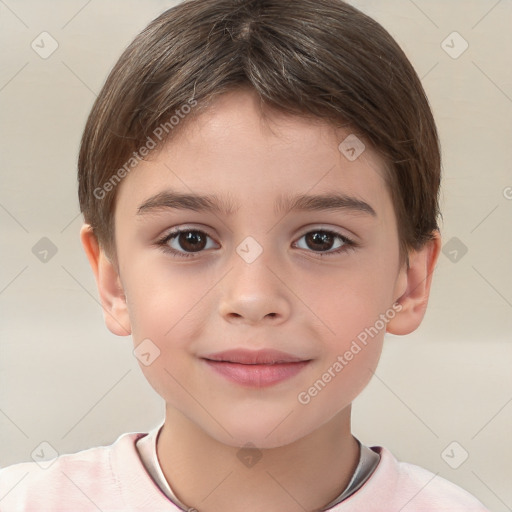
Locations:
(251, 159)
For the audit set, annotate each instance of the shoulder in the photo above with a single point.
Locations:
(72, 479)
(419, 489)
(408, 488)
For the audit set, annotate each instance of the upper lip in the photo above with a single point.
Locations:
(262, 356)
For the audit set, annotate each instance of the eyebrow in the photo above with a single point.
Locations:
(223, 205)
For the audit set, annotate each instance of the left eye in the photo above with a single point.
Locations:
(324, 241)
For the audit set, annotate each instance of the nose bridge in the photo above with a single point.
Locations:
(252, 290)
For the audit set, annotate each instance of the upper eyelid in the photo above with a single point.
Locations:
(179, 230)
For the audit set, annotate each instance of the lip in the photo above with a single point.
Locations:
(258, 369)
(245, 356)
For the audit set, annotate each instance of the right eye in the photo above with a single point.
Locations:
(182, 243)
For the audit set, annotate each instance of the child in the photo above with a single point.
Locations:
(259, 182)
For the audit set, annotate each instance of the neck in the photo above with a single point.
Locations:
(211, 476)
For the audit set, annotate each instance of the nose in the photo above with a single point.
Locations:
(253, 293)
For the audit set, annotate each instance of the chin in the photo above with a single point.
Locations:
(263, 434)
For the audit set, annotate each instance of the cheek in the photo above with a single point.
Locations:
(164, 321)
(353, 315)
(157, 297)
(346, 301)
(351, 345)
(353, 349)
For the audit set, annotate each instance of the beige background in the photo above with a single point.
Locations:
(66, 380)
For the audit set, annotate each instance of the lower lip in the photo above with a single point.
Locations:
(257, 375)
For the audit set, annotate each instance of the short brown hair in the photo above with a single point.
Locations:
(320, 58)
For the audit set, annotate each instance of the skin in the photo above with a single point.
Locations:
(290, 298)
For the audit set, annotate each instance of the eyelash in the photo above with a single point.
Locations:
(348, 244)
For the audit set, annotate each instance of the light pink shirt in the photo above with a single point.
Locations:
(112, 478)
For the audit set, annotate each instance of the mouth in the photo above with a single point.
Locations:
(263, 356)
(258, 369)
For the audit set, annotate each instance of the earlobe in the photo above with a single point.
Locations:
(413, 286)
(113, 299)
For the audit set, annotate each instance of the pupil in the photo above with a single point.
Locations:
(189, 241)
(322, 238)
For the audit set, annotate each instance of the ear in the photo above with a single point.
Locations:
(413, 287)
(113, 299)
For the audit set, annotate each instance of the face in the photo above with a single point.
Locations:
(253, 269)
